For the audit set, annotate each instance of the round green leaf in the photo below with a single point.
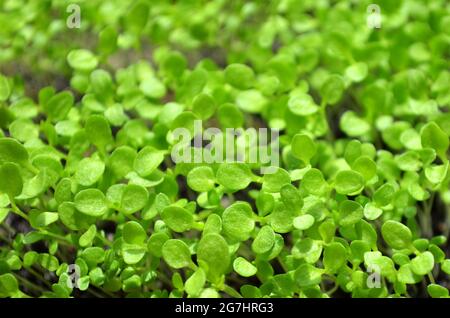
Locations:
(264, 240)
(12, 151)
(58, 106)
(134, 198)
(177, 218)
(365, 166)
(238, 221)
(302, 105)
(349, 182)
(176, 254)
(432, 136)
(201, 179)
(133, 233)
(303, 147)
(437, 291)
(423, 263)
(307, 275)
(88, 236)
(11, 182)
(91, 202)
(203, 106)
(273, 182)
(147, 160)
(314, 182)
(396, 235)
(303, 222)
(350, 212)
(195, 283)
(332, 89)
(82, 60)
(156, 242)
(234, 176)
(334, 257)
(357, 72)
(244, 267)
(98, 131)
(121, 160)
(251, 101)
(239, 75)
(89, 171)
(213, 255)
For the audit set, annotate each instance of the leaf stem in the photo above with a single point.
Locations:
(231, 291)
(103, 239)
(29, 284)
(431, 278)
(58, 237)
(17, 211)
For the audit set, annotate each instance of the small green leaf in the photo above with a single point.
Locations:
(313, 182)
(133, 233)
(12, 151)
(372, 212)
(176, 254)
(89, 171)
(42, 219)
(156, 242)
(423, 263)
(353, 125)
(445, 266)
(203, 106)
(5, 89)
(357, 72)
(82, 60)
(365, 166)
(396, 235)
(334, 257)
(273, 182)
(349, 182)
(332, 89)
(437, 291)
(302, 105)
(213, 255)
(134, 198)
(384, 195)
(239, 75)
(58, 106)
(91, 202)
(238, 221)
(264, 240)
(432, 136)
(201, 179)
(98, 131)
(11, 182)
(121, 160)
(195, 283)
(177, 218)
(88, 236)
(8, 285)
(251, 101)
(234, 176)
(307, 275)
(147, 160)
(303, 147)
(303, 222)
(350, 212)
(244, 267)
